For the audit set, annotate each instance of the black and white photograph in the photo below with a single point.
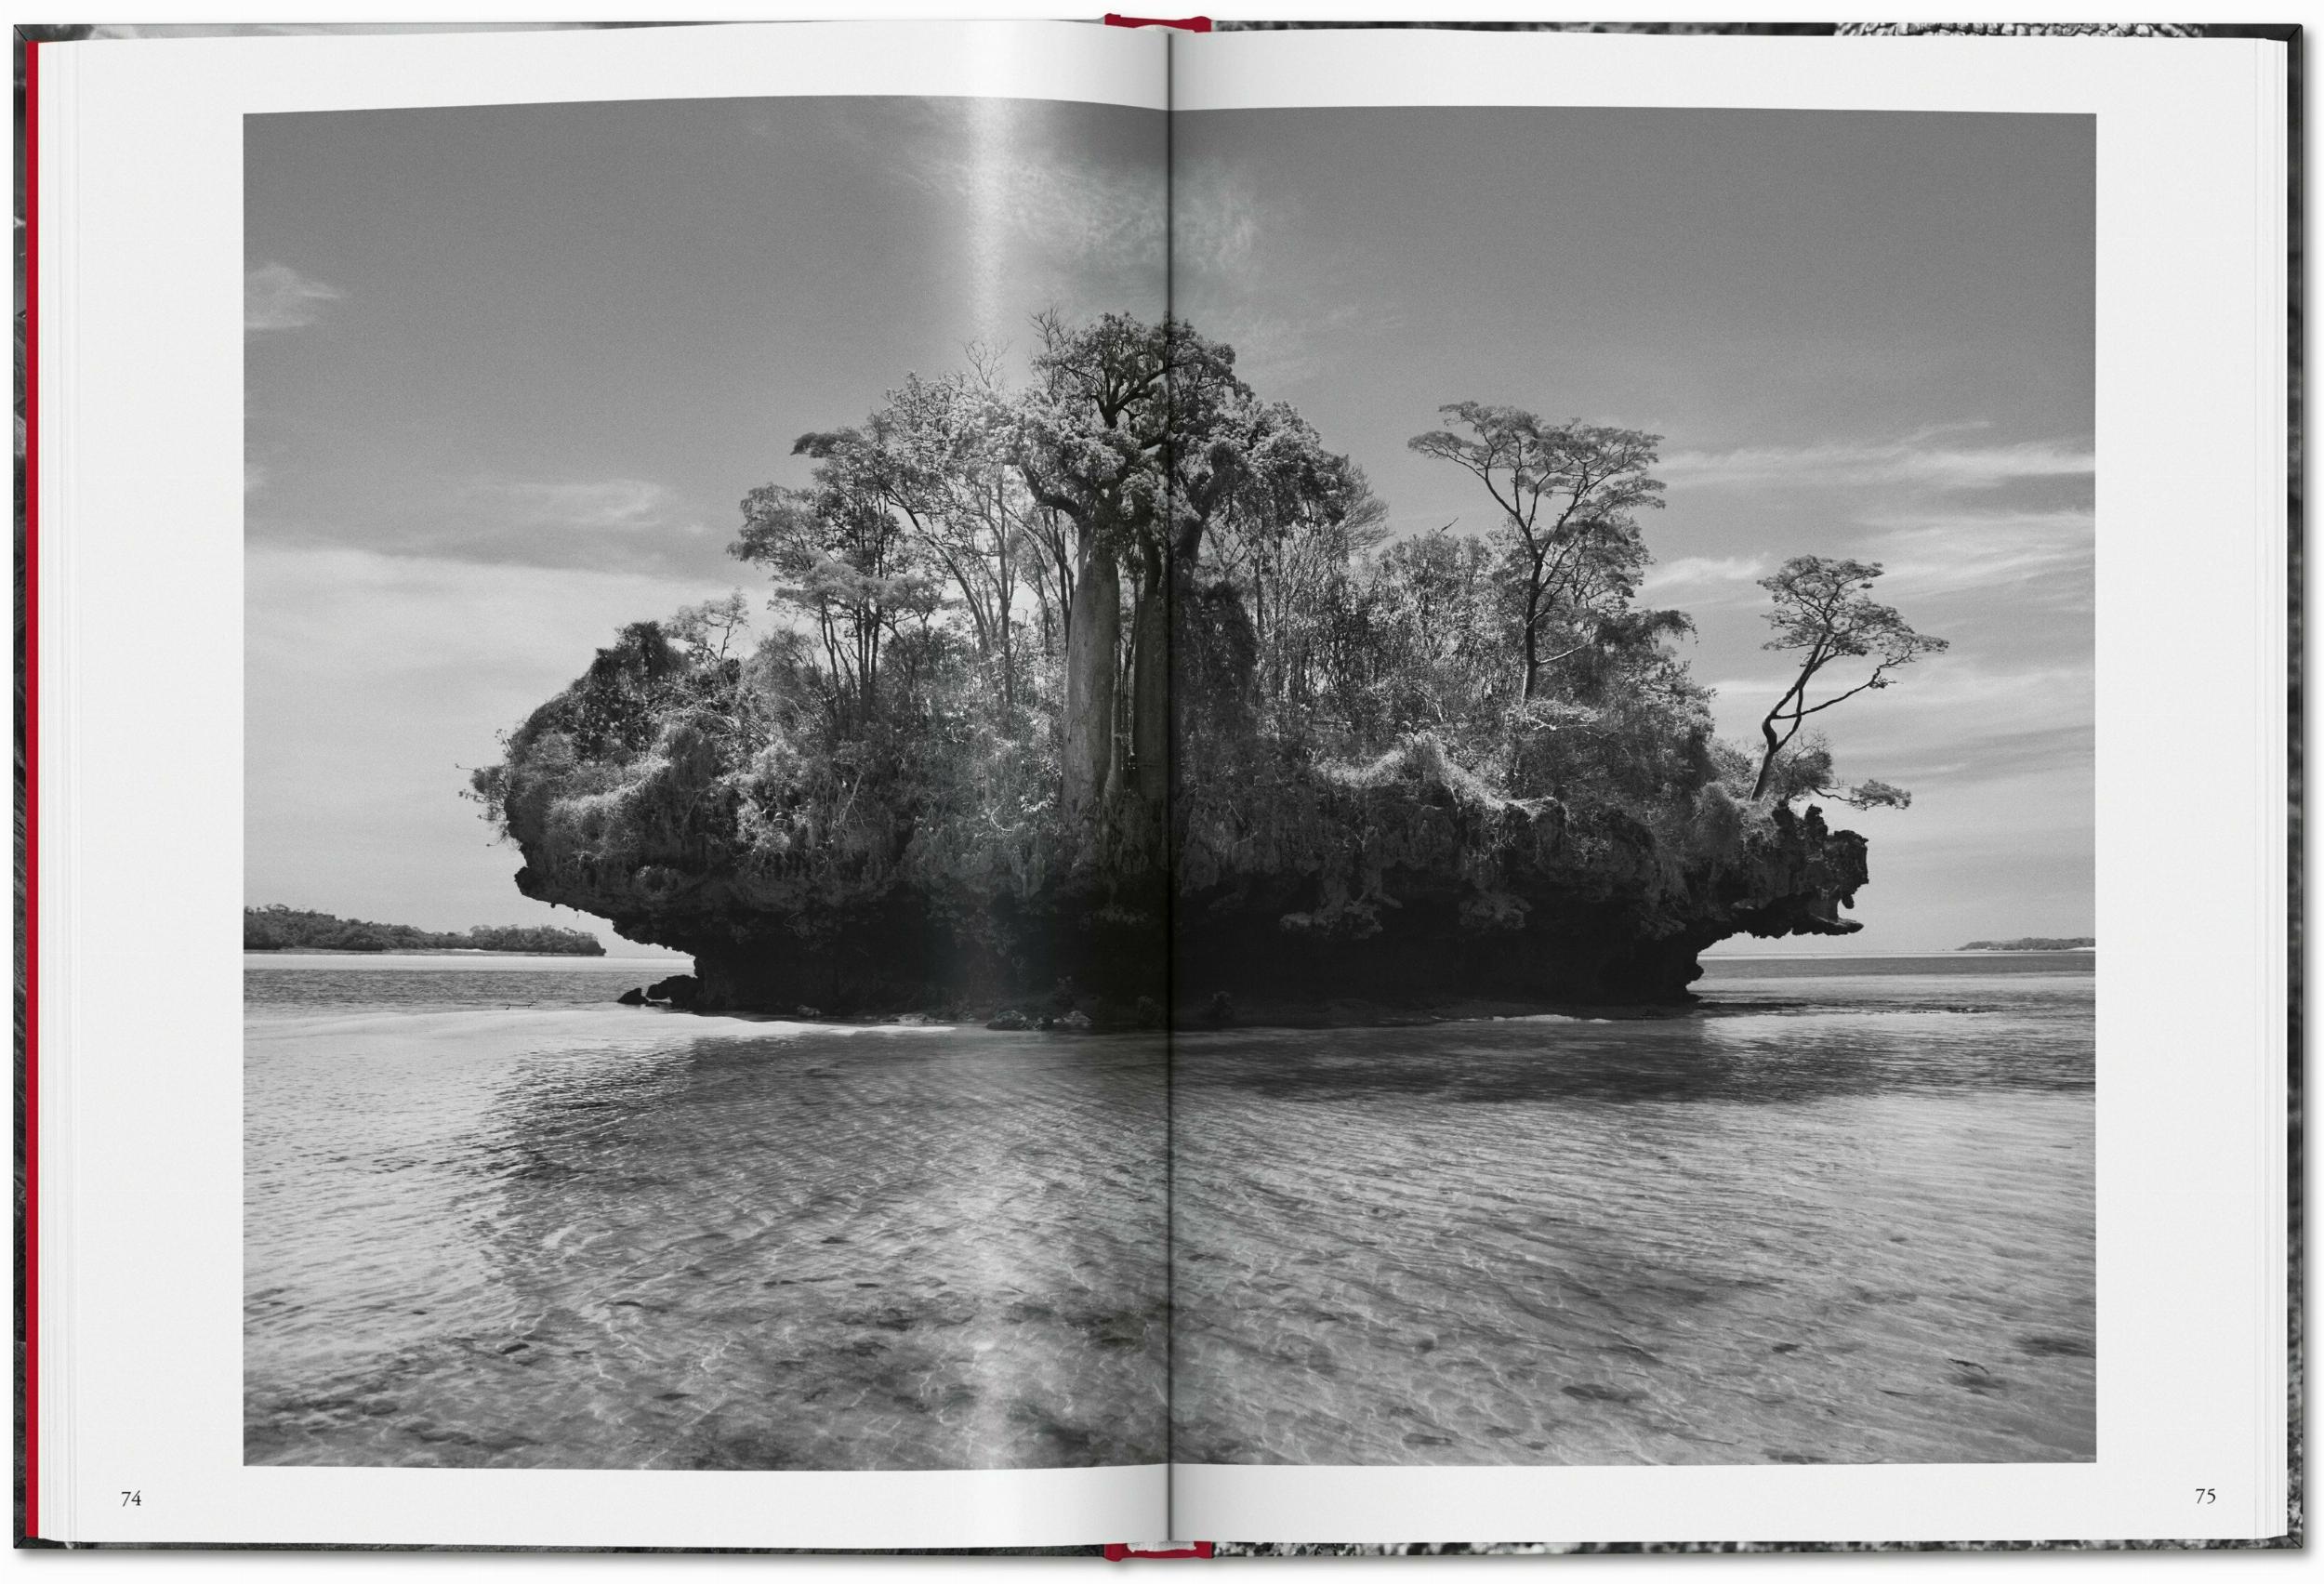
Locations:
(941, 783)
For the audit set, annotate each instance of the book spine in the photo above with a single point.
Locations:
(29, 1421)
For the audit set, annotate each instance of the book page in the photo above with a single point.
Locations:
(617, 668)
(1672, 715)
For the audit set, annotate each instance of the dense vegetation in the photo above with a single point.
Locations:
(1114, 686)
(278, 929)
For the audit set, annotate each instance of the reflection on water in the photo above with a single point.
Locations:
(606, 1238)
(1830, 1218)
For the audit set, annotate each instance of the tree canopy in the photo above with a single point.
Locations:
(1569, 496)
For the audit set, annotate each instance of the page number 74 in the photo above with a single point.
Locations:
(2206, 1495)
(133, 1498)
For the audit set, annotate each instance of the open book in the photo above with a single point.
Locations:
(1035, 785)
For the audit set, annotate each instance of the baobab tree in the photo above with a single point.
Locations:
(1825, 612)
(1144, 438)
(1568, 495)
(1089, 448)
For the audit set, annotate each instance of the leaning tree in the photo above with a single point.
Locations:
(1826, 614)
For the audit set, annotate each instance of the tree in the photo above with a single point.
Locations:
(714, 628)
(841, 559)
(1089, 448)
(1415, 643)
(1143, 437)
(1568, 495)
(1825, 612)
(1294, 517)
(936, 454)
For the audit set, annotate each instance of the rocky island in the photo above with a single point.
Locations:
(1113, 694)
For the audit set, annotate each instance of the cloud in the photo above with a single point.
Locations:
(343, 614)
(1290, 347)
(1704, 576)
(1043, 221)
(2050, 551)
(1217, 216)
(598, 505)
(275, 296)
(1921, 458)
(1945, 720)
(621, 524)
(1290, 326)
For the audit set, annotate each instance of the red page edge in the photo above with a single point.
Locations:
(1191, 24)
(29, 663)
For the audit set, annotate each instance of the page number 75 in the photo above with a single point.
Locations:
(2206, 1495)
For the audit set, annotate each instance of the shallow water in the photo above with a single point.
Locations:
(604, 1238)
(1842, 1212)
(1832, 1217)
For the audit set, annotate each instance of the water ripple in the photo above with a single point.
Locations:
(1847, 1230)
(612, 1240)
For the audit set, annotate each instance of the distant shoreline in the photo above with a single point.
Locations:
(277, 928)
(2035, 944)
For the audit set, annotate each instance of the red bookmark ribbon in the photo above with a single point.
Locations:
(1200, 1549)
(1192, 24)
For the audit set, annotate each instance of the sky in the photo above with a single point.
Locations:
(511, 368)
